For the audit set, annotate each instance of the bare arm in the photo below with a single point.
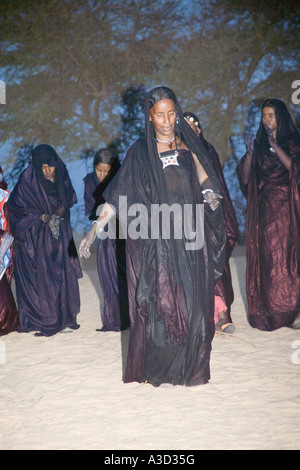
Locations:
(247, 168)
(249, 142)
(106, 214)
(201, 173)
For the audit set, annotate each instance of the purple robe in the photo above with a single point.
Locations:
(46, 270)
(272, 237)
(111, 266)
(9, 320)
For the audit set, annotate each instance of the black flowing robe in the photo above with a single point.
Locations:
(272, 237)
(9, 320)
(46, 270)
(111, 263)
(224, 288)
(170, 288)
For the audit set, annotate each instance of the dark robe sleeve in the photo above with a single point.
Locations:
(122, 185)
(89, 200)
(22, 216)
(232, 229)
(217, 238)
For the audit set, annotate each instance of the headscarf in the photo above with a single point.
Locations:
(62, 188)
(285, 125)
(114, 163)
(34, 196)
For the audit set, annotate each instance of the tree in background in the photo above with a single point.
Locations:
(236, 54)
(132, 119)
(67, 65)
(23, 159)
(76, 71)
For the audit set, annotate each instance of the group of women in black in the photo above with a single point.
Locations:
(173, 298)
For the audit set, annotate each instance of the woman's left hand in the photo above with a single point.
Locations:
(212, 199)
(54, 226)
(84, 248)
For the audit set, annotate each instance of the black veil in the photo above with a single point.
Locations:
(285, 125)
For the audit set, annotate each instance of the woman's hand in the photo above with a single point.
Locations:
(272, 140)
(54, 225)
(84, 248)
(53, 222)
(212, 198)
(106, 214)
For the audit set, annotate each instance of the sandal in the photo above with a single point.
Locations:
(225, 327)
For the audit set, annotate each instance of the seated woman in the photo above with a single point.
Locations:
(47, 267)
(9, 320)
(111, 261)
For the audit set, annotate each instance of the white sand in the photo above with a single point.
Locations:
(66, 392)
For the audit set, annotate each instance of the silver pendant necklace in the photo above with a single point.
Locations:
(169, 142)
(169, 159)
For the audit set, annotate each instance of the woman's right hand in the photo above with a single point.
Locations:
(84, 248)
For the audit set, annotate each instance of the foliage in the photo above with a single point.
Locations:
(238, 53)
(76, 72)
(67, 65)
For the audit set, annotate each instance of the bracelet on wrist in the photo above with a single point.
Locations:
(98, 231)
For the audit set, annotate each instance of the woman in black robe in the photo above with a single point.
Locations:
(9, 320)
(267, 175)
(224, 288)
(111, 261)
(47, 267)
(170, 284)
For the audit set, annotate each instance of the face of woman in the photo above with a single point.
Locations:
(163, 117)
(102, 170)
(269, 118)
(49, 172)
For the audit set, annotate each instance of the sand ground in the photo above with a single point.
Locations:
(66, 392)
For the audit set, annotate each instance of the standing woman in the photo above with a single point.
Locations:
(170, 285)
(47, 267)
(224, 290)
(111, 261)
(9, 320)
(267, 175)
